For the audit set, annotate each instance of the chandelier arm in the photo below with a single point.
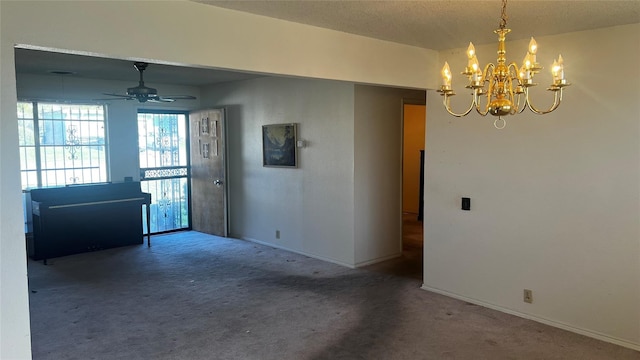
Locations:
(447, 106)
(522, 106)
(514, 72)
(512, 69)
(514, 105)
(488, 70)
(518, 104)
(557, 98)
(487, 77)
(486, 108)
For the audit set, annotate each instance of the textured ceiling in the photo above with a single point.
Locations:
(438, 24)
(44, 63)
(433, 24)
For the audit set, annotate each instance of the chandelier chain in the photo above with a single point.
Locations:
(503, 16)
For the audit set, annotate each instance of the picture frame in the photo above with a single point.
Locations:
(279, 145)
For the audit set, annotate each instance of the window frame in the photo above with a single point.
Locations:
(71, 144)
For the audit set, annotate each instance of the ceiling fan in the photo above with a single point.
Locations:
(144, 93)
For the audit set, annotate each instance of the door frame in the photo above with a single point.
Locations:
(225, 165)
(188, 155)
(407, 101)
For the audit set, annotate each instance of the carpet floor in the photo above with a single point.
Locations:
(196, 296)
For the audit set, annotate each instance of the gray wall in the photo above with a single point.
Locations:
(311, 205)
(378, 171)
(343, 203)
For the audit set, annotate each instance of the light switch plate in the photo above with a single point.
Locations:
(466, 203)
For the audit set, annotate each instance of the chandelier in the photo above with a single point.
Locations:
(506, 87)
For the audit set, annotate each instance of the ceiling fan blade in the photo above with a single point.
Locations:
(179, 97)
(160, 100)
(125, 97)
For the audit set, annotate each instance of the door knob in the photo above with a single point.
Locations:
(218, 182)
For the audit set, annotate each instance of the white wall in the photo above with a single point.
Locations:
(311, 205)
(224, 38)
(378, 171)
(555, 199)
(15, 341)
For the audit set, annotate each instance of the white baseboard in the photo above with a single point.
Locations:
(375, 261)
(351, 266)
(560, 325)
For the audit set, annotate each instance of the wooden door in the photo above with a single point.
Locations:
(208, 172)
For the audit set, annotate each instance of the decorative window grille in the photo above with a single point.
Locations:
(162, 139)
(61, 144)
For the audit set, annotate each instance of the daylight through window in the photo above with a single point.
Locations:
(61, 144)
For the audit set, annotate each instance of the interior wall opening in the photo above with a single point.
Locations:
(413, 152)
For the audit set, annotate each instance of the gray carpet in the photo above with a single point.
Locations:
(195, 296)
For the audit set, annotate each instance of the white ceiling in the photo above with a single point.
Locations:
(445, 24)
(433, 24)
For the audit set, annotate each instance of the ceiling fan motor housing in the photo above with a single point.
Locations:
(142, 93)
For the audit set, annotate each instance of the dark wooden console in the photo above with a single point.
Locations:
(80, 218)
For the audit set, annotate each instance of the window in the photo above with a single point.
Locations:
(61, 144)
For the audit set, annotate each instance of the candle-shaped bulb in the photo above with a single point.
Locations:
(471, 51)
(533, 46)
(446, 75)
(555, 70)
(471, 55)
(474, 66)
(560, 67)
(527, 63)
(524, 73)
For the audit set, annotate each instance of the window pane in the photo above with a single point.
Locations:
(26, 132)
(25, 110)
(28, 158)
(29, 179)
(26, 141)
(182, 140)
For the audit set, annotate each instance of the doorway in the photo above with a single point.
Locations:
(164, 161)
(208, 171)
(413, 145)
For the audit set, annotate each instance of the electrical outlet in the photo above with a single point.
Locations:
(277, 234)
(528, 296)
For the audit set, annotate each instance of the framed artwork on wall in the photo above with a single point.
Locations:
(279, 145)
